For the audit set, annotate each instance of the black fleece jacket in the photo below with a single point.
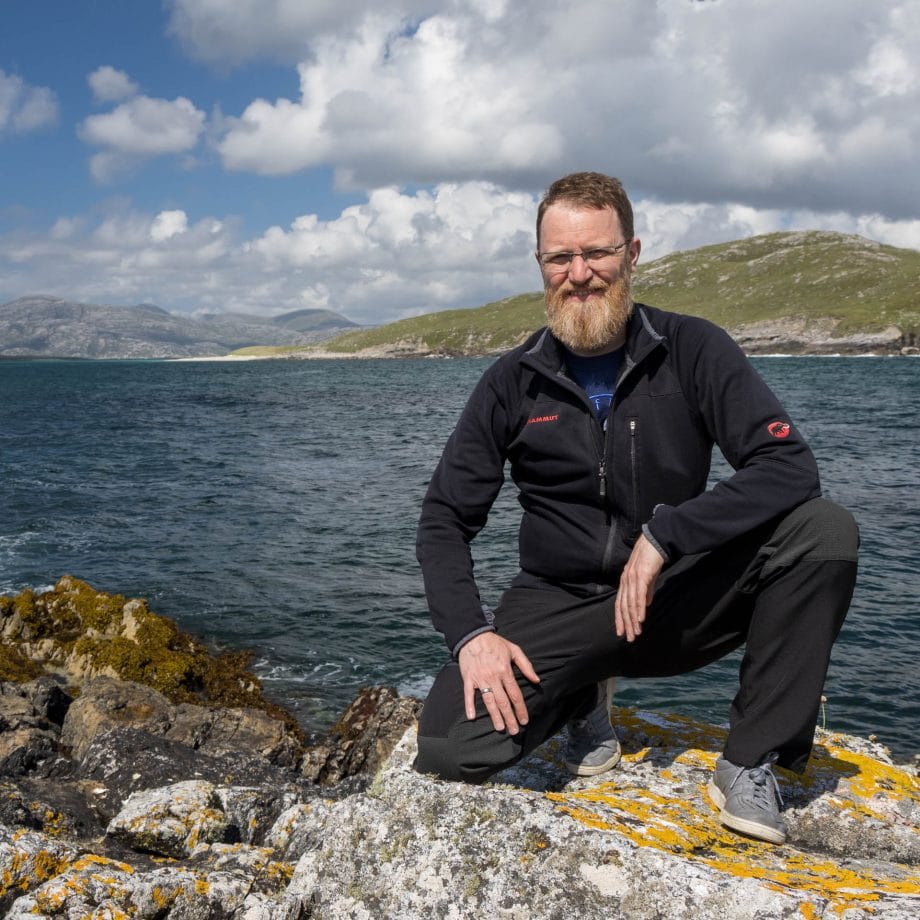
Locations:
(586, 494)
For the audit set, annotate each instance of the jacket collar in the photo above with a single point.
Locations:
(544, 353)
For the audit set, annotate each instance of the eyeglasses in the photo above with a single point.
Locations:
(555, 262)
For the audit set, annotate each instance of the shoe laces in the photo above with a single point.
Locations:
(762, 781)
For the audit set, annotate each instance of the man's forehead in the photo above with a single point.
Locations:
(564, 218)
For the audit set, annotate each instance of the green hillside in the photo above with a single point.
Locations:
(845, 283)
(861, 283)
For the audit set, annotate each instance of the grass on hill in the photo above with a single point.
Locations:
(861, 284)
(483, 330)
(864, 285)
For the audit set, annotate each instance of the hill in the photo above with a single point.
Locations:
(52, 327)
(811, 292)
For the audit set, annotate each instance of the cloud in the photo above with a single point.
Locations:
(403, 254)
(398, 253)
(25, 108)
(714, 102)
(167, 224)
(140, 128)
(226, 32)
(111, 85)
(129, 257)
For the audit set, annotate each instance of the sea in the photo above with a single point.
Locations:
(271, 506)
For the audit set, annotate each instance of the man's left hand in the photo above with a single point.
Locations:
(637, 588)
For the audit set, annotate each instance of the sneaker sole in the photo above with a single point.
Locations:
(580, 769)
(743, 825)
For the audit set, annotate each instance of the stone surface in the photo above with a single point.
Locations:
(119, 802)
(362, 737)
(171, 821)
(107, 704)
(641, 842)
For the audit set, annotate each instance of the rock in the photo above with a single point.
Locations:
(49, 701)
(170, 821)
(79, 634)
(125, 801)
(364, 735)
(57, 808)
(106, 704)
(813, 336)
(123, 761)
(228, 731)
(103, 888)
(27, 737)
(642, 841)
(28, 859)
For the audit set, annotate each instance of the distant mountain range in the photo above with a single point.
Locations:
(811, 292)
(51, 327)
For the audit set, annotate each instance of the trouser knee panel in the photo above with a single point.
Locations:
(816, 531)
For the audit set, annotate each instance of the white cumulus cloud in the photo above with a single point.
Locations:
(25, 108)
(396, 254)
(111, 85)
(227, 32)
(713, 102)
(140, 128)
(167, 224)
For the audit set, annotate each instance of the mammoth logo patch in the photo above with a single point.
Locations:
(779, 429)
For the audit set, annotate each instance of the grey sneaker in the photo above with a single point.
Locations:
(749, 798)
(592, 746)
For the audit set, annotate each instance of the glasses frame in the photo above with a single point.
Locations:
(590, 257)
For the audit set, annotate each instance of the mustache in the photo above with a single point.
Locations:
(568, 287)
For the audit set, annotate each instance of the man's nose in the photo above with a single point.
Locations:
(579, 270)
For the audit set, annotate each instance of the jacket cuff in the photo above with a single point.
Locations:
(646, 530)
(455, 651)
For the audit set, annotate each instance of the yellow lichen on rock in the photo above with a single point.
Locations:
(79, 633)
(688, 826)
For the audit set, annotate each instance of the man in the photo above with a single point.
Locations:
(629, 566)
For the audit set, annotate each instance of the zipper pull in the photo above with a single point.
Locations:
(602, 476)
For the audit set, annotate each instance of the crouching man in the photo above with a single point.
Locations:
(628, 564)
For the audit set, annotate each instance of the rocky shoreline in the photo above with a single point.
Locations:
(797, 336)
(142, 777)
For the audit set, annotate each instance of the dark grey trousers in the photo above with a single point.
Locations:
(782, 591)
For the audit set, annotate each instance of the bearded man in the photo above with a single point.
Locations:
(629, 564)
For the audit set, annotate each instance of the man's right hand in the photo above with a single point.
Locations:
(486, 666)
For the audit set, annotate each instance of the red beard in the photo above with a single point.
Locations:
(595, 326)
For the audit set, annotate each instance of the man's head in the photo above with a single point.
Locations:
(586, 252)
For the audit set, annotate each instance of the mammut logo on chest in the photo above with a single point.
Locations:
(540, 419)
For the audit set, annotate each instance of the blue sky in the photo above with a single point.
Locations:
(384, 158)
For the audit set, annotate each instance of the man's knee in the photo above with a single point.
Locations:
(468, 753)
(438, 757)
(816, 531)
(450, 746)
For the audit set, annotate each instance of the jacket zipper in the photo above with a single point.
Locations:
(607, 556)
(634, 468)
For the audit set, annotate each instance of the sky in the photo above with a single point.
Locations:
(384, 158)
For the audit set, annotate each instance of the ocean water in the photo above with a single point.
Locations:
(271, 505)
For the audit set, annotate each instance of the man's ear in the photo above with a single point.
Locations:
(635, 247)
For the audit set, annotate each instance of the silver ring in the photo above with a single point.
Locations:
(485, 689)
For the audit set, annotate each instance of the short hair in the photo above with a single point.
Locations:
(590, 190)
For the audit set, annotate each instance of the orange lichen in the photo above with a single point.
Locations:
(692, 830)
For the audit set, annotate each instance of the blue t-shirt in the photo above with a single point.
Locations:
(597, 376)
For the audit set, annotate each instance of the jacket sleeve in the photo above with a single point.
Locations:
(456, 506)
(774, 468)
